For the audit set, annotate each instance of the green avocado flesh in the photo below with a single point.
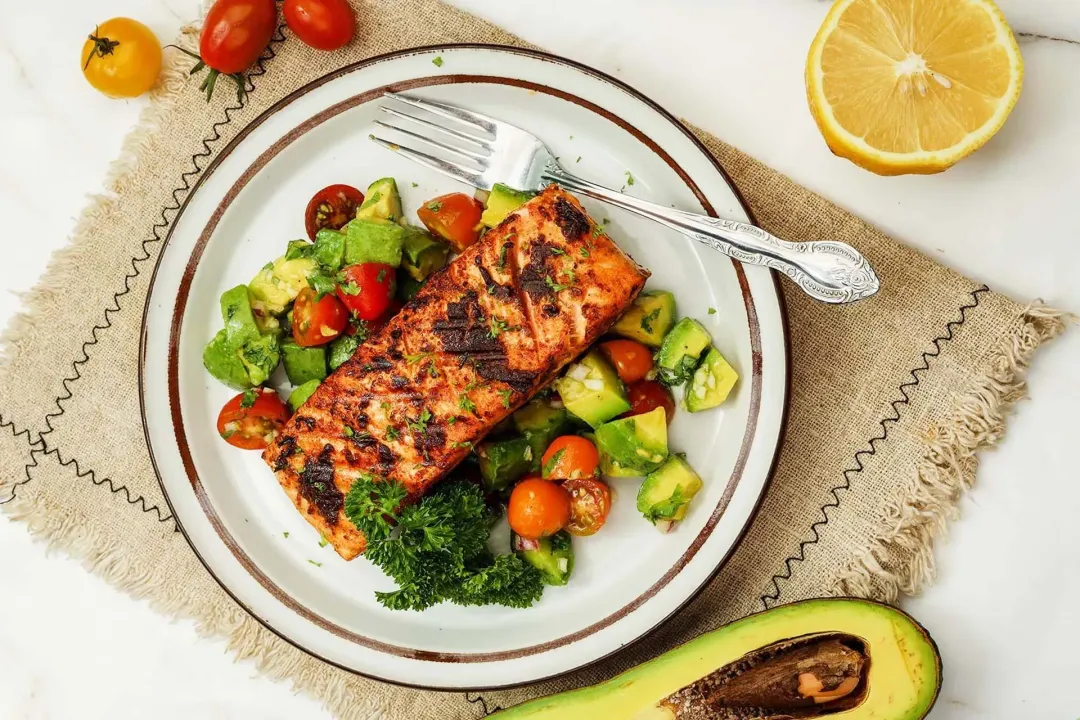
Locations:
(279, 283)
(300, 395)
(633, 446)
(552, 556)
(376, 241)
(422, 253)
(668, 490)
(381, 202)
(504, 461)
(592, 390)
(701, 681)
(649, 319)
(712, 382)
(501, 202)
(679, 353)
(539, 422)
(303, 363)
(240, 355)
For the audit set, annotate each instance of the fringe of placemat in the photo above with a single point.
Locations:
(901, 558)
(171, 82)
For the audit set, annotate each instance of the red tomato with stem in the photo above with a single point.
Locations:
(317, 320)
(331, 207)
(647, 395)
(454, 217)
(590, 503)
(631, 359)
(322, 24)
(367, 289)
(538, 508)
(251, 419)
(234, 34)
(569, 457)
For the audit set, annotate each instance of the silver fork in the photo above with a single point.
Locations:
(484, 151)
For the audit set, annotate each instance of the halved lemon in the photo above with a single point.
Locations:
(912, 86)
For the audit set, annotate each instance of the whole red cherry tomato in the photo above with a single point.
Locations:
(234, 35)
(331, 207)
(322, 24)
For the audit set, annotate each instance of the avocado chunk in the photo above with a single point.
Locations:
(592, 390)
(239, 317)
(260, 358)
(342, 348)
(668, 490)
(501, 202)
(712, 382)
(679, 353)
(300, 394)
(734, 671)
(504, 461)
(221, 360)
(381, 202)
(303, 363)
(278, 284)
(407, 285)
(633, 446)
(374, 241)
(539, 422)
(649, 319)
(552, 556)
(329, 249)
(422, 253)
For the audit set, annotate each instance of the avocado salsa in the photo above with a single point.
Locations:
(548, 465)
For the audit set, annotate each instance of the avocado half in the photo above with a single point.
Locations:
(838, 658)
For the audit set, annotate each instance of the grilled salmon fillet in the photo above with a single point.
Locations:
(476, 342)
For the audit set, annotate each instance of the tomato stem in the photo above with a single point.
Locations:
(210, 80)
(102, 46)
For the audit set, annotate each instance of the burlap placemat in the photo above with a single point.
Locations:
(891, 398)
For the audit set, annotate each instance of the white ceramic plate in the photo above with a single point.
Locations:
(628, 578)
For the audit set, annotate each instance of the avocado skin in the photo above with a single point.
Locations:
(904, 676)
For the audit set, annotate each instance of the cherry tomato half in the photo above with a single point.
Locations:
(590, 503)
(538, 508)
(331, 207)
(322, 24)
(569, 457)
(632, 360)
(368, 289)
(317, 321)
(252, 419)
(454, 217)
(647, 395)
(121, 58)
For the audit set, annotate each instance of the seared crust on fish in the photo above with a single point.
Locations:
(477, 341)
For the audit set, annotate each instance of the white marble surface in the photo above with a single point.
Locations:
(1003, 610)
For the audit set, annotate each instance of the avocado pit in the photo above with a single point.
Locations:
(804, 677)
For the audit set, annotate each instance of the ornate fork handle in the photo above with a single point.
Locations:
(833, 272)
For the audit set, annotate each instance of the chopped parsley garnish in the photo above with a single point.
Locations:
(712, 311)
(350, 288)
(451, 420)
(570, 275)
(549, 466)
(437, 61)
(502, 252)
(381, 276)
(598, 230)
(584, 252)
(420, 423)
(413, 359)
(629, 178)
(286, 534)
(647, 320)
(323, 542)
(415, 185)
(316, 564)
(432, 370)
(249, 398)
(385, 406)
(434, 206)
(321, 284)
(506, 396)
(463, 444)
(392, 433)
(436, 550)
(269, 265)
(497, 326)
(466, 404)
(349, 432)
(578, 159)
(557, 251)
(556, 287)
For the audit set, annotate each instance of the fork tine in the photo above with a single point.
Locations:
(481, 122)
(466, 137)
(446, 167)
(477, 157)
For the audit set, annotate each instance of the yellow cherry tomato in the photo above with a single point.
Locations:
(121, 58)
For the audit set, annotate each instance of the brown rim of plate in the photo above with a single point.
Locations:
(355, 101)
